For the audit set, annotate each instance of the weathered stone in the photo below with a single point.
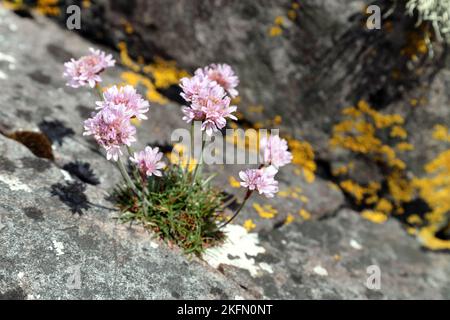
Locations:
(55, 218)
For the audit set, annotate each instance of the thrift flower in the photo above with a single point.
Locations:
(192, 86)
(216, 115)
(86, 70)
(262, 180)
(149, 161)
(111, 129)
(209, 103)
(275, 151)
(224, 75)
(127, 96)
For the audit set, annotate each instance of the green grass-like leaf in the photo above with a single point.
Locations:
(179, 212)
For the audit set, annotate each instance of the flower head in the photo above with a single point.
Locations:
(275, 151)
(209, 103)
(262, 180)
(127, 96)
(216, 115)
(224, 75)
(149, 161)
(111, 129)
(86, 70)
(193, 86)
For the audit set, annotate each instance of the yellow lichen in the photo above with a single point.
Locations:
(249, 225)
(374, 216)
(234, 183)
(427, 236)
(275, 31)
(303, 157)
(266, 211)
(304, 214)
(160, 74)
(441, 133)
(289, 219)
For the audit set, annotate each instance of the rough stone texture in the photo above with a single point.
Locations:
(51, 221)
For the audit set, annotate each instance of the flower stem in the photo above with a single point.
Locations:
(247, 196)
(199, 163)
(99, 91)
(135, 169)
(126, 177)
(140, 178)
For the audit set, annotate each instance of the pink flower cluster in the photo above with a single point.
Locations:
(207, 93)
(111, 126)
(111, 129)
(149, 161)
(224, 75)
(275, 154)
(127, 96)
(86, 70)
(262, 180)
(275, 151)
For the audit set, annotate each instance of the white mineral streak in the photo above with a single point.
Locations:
(238, 250)
(14, 184)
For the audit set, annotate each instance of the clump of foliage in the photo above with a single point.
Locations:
(178, 211)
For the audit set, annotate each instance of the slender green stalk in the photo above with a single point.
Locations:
(126, 177)
(99, 91)
(191, 146)
(247, 196)
(199, 163)
(139, 178)
(135, 169)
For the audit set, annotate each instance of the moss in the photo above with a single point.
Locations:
(37, 142)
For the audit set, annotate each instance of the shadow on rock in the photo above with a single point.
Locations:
(72, 194)
(83, 171)
(56, 131)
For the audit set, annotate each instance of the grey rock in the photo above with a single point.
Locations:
(53, 224)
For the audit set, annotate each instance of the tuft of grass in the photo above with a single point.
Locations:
(178, 211)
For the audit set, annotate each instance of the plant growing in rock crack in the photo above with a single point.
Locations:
(176, 201)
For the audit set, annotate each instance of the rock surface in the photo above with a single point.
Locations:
(54, 224)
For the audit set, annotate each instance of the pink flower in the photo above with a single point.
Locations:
(193, 86)
(209, 102)
(193, 113)
(216, 115)
(224, 75)
(111, 129)
(86, 70)
(149, 161)
(128, 97)
(262, 180)
(275, 151)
